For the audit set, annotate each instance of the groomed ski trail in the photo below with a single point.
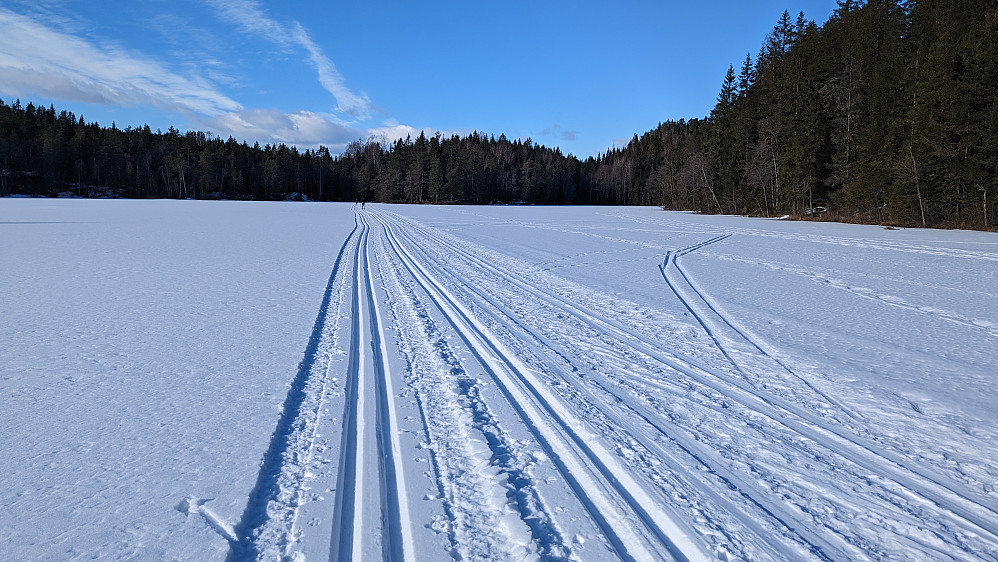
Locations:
(370, 444)
(611, 496)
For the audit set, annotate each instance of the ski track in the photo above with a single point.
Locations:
(264, 531)
(581, 459)
(370, 440)
(669, 431)
(947, 496)
(460, 432)
(535, 419)
(730, 338)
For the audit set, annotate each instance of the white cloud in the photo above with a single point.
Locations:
(302, 128)
(348, 102)
(248, 15)
(38, 60)
(393, 131)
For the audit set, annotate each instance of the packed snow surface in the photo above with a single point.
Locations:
(304, 381)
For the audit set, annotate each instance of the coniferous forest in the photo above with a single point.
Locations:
(887, 113)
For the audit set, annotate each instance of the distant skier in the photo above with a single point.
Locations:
(362, 204)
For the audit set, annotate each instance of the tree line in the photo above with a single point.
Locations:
(885, 114)
(46, 152)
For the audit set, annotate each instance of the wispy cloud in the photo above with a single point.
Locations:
(39, 60)
(357, 105)
(250, 17)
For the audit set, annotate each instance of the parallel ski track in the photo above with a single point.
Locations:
(293, 421)
(781, 514)
(604, 488)
(463, 489)
(919, 481)
(348, 529)
(343, 544)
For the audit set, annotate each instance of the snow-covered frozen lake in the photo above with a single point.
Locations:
(237, 380)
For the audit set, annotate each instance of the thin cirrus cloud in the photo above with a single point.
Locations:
(248, 15)
(35, 59)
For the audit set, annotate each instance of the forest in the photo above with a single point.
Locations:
(885, 114)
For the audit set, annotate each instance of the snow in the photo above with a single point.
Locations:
(146, 352)
(212, 380)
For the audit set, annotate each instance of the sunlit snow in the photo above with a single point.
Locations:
(212, 380)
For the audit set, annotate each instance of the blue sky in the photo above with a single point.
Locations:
(582, 76)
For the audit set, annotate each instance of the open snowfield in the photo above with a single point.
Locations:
(218, 380)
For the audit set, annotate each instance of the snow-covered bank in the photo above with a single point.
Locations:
(488, 382)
